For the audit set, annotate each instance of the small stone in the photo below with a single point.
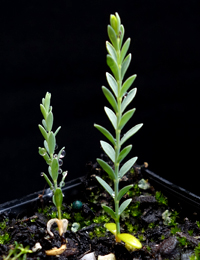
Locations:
(90, 256)
(167, 246)
(107, 257)
(36, 247)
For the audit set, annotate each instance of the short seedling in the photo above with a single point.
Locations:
(54, 162)
(17, 251)
(119, 100)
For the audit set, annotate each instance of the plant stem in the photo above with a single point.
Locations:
(118, 147)
(59, 212)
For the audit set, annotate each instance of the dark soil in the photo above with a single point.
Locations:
(175, 239)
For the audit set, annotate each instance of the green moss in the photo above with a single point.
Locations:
(174, 230)
(5, 238)
(161, 199)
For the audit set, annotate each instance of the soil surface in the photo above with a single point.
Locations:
(171, 237)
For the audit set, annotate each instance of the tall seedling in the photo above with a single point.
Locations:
(119, 99)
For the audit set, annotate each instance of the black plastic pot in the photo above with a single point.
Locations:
(186, 202)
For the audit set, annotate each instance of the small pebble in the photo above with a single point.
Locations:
(107, 257)
(90, 256)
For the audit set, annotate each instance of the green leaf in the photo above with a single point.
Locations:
(106, 133)
(124, 153)
(112, 83)
(112, 117)
(58, 197)
(108, 150)
(42, 151)
(118, 21)
(51, 143)
(54, 169)
(49, 121)
(57, 130)
(123, 191)
(47, 101)
(125, 118)
(106, 186)
(43, 110)
(44, 124)
(125, 65)
(113, 37)
(113, 66)
(46, 146)
(109, 211)
(126, 167)
(121, 35)
(124, 50)
(107, 168)
(110, 98)
(124, 205)
(43, 132)
(127, 85)
(131, 132)
(111, 50)
(127, 100)
(48, 181)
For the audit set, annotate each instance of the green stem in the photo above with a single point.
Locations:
(59, 213)
(117, 149)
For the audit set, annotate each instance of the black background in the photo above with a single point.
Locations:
(59, 46)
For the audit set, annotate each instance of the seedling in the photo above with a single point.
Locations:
(119, 100)
(54, 162)
(17, 252)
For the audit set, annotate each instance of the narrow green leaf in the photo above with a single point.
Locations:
(124, 153)
(109, 211)
(46, 146)
(106, 133)
(43, 132)
(49, 121)
(47, 101)
(57, 130)
(110, 98)
(122, 31)
(112, 117)
(123, 191)
(111, 50)
(51, 143)
(43, 110)
(127, 85)
(125, 118)
(44, 124)
(126, 167)
(108, 150)
(54, 169)
(106, 186)
(112, 36)
(107, 168)
(113, 66)
(124, 205)
(131, 132)
(112, 83)
(43, 101)
(127, 100)
(125, 65)
(118, 21)
(58, 197)
(124, 49)
(48, 181)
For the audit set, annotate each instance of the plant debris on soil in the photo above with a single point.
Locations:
(163, 231)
